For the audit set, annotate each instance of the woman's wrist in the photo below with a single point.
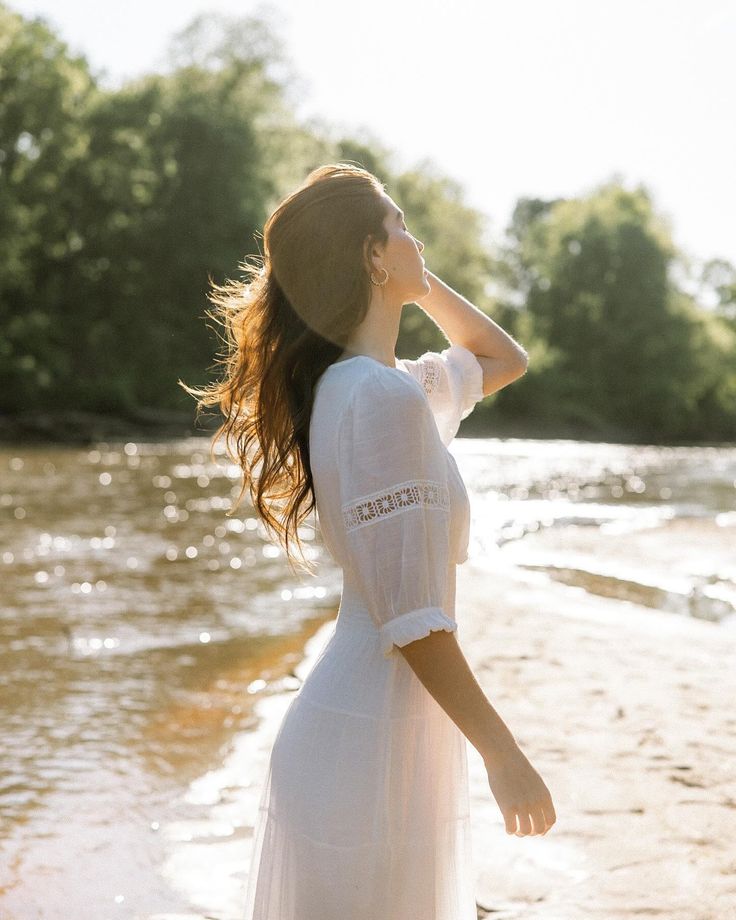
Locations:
(499, 747)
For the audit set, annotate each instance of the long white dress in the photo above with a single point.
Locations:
(364, 813)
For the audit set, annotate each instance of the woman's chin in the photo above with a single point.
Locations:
(421, 291)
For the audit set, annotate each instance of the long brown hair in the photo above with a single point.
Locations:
(285, 323)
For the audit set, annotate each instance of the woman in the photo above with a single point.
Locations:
(364, 810)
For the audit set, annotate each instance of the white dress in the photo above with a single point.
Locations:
(364, 813)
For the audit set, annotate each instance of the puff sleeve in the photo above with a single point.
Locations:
(453, 382)
(395, 508)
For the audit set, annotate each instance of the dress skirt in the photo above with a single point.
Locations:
(364, 813)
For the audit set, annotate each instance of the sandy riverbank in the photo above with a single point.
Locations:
(627, 713)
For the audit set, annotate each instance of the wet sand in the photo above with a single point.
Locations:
(627, 714)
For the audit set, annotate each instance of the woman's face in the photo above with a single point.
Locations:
(402, 258)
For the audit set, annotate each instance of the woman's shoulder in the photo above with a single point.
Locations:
(362, 386)
(366, 379)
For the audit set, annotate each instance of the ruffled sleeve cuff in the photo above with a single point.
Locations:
(470, 375)
(413, 625)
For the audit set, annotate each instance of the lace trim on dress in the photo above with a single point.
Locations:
(386, 502)
(430, 374)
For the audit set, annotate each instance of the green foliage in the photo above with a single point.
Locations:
(43, 96)
(629, 347)
(117, 208)
(720, 276)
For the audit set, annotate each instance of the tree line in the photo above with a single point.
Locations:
(118, 206)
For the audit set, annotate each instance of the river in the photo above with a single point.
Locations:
(144, 632)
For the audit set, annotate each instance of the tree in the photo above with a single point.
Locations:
(600, 296)
(44, 97)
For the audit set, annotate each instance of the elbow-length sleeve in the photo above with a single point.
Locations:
(395, 508)
(453, 382)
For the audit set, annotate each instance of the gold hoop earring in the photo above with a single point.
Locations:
(380, 283)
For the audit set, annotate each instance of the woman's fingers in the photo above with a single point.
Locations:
(549, 814)
(525, 824)
(509, 817)
(521, 794)
(532, 821)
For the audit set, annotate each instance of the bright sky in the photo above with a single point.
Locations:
(518, 98)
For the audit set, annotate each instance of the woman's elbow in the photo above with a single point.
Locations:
(521, 363)
(500, 372)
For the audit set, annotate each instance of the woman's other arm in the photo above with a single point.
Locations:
(441, 666)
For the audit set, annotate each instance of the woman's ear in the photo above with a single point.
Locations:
(371, 250)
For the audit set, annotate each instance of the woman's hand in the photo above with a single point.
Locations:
(520, 792)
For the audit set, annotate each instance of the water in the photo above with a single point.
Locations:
(653, 525)
(142, 629)
(137, 626)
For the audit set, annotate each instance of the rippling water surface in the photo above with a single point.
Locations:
(655, 525)
(140, 624)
